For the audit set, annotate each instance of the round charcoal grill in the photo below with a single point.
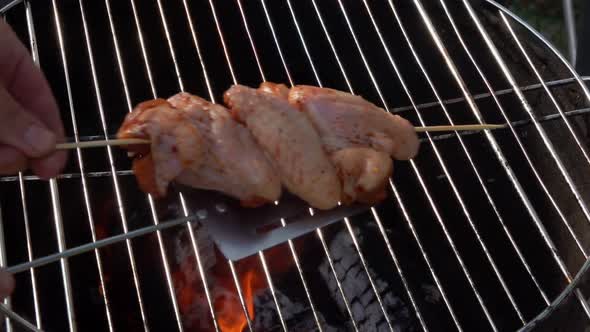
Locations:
(482, 231)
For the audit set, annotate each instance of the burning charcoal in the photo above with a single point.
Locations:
(365, 308)
(184, 248)
(297, 316)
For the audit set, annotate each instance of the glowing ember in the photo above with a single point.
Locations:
(226, 302)
(230, 315)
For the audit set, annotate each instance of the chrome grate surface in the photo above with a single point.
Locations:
(496, 222)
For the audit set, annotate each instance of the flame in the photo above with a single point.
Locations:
(226, 302)
(230, 313)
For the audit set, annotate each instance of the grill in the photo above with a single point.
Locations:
(482, 231)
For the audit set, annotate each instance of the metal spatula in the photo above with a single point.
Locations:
(240, 232)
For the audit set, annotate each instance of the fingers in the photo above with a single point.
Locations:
(6, 284)
(50, 166)
(25, 82)
(11, 160)
(21, 130)
(29, 116)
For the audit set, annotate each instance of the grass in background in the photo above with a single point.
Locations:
(546, 16)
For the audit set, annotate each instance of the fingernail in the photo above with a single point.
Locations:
(40, 140)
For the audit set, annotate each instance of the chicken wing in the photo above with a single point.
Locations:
(364, 173)
(359, 137)
(176, 144)
(229, 160)
(344, 120)
(291, 141)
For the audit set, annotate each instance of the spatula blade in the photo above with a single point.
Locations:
(240, 232)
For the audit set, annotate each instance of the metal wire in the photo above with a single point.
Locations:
(518, 140)
(433, 205)
(81, 164)
(21, 184)
(431, 139)
(55, 202)
(7, 301)
(346, 220)
(291, 246)
(570, 27)
(502, 65)
(464, 148)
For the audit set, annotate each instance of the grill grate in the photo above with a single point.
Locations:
(478, 189)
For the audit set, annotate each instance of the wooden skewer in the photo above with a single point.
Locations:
(101, 143)
(134, 141)
(459, 127)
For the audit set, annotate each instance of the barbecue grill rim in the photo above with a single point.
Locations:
(583, 271)
(6, 5)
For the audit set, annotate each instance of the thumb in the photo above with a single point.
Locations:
(21, 130)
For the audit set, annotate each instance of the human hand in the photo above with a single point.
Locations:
(30, 123)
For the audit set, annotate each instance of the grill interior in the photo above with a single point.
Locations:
(467, 240)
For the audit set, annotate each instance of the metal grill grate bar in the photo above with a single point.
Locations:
(251, 40)
(338, 283)
(152, 206)
(334, 51)
(272, 290)
(56, 205)
(531, 87)
(549, 93)
(578, 293)
(130, 251)
(521, 146)
(291, 246)
(490, 137)
(518, 186)
(7, 301)
(463, 146)
(200, 265)
(527, 107)
(454, 71)
(240, 295)
(377, 219)
(319, 231)
(21, 185)
(303, 281)
(166, 266)
(283, 223)
(346, 220)
(61, 243)
(570, 26)
(182, 201)
(565, 120)
(428, 192)
(434, 208)
(523, 100)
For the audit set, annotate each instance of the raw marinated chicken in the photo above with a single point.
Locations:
(364, 173)
(344, 120)
(225, 156)
(278, 90)
(294, 146)
(323, 145)
(359, 137)
(176, 144)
